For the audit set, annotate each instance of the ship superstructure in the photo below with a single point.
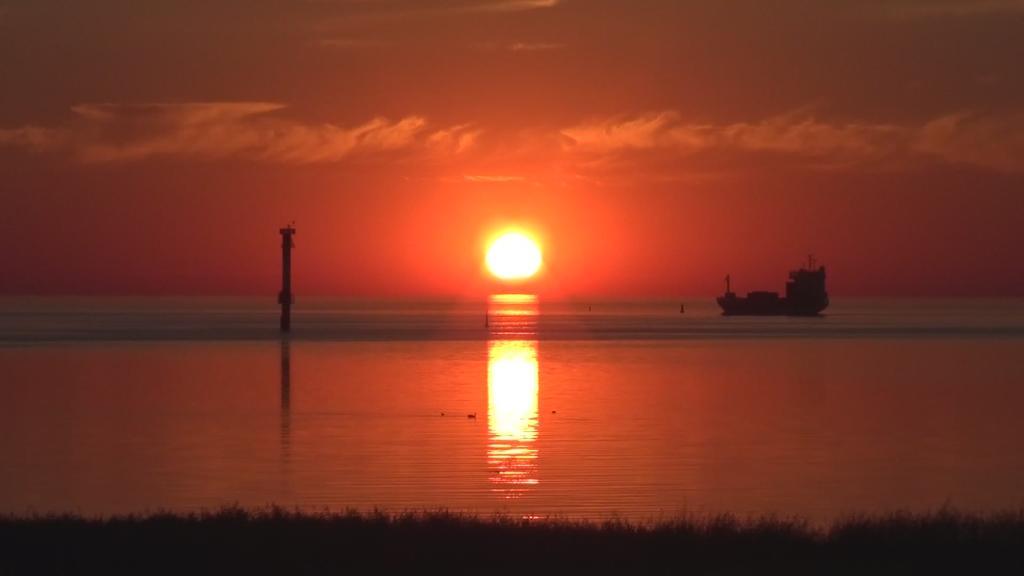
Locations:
(805, 296)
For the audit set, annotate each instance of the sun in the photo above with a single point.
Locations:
(514, 256)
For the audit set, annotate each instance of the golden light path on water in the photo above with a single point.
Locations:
(513, 384)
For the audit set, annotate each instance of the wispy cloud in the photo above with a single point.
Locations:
(390, 9)
(535, 46)
(788, 133)
(796, 134)
(342, 42)
(662, 129)
(456, 139)
(33, 138)
(189, 113)
(511, 5)
(263, 131)
(919, 8)
(493, 178)
(215, 130)
(964, 138)
(971, 138)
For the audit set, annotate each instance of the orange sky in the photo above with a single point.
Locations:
(654, 146)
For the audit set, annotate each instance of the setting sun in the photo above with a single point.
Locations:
(513, 256)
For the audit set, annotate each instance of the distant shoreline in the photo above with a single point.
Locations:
(278, 541)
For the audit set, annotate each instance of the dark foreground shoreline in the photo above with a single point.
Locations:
(276, 541)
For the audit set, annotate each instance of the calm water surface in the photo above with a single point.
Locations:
(581, 410)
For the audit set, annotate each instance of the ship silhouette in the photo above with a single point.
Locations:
(805, 296)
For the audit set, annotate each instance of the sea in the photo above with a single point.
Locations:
(510, 405)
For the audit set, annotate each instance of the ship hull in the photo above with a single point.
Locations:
(735, 306)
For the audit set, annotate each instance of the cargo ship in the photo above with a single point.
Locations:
(805, 296)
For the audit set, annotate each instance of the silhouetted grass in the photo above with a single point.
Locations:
(277, 541)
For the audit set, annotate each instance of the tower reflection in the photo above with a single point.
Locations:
(286, 397)
(512, 389)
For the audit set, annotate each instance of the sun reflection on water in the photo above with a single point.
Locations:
(512, 411)
(512, 386)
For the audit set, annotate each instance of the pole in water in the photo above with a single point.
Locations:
(682, 308)
(285, 298)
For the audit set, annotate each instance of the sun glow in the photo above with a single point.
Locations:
(514, 256)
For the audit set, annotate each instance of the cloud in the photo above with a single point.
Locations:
(920, 8)
(795, 134)
(263, 131)
(659, 130)
(214, 130)
(971, 138)
(454, 140)
(787, 133)
(989, 142)
(343, 42)
(535, 46)
(190, 113)
(511, 5)
(218, 130)
(33, 138)
(422, 8)
(492, 178)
